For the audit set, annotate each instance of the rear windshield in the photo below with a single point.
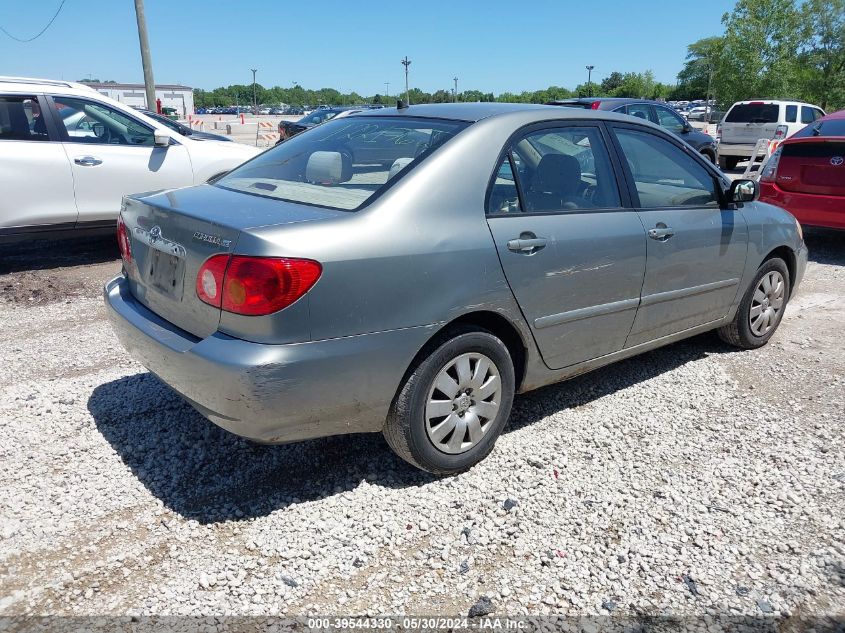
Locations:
(830, 127)
(342, 163)
(753, 113)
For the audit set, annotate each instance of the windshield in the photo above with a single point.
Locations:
(753, 113)
(343, 163)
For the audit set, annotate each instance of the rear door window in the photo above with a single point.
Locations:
(566, 169)
(792, 114)
(755, 112)
(664, 174)
(641, 111)
(21, 119)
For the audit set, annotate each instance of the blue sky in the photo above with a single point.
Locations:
(491, 46)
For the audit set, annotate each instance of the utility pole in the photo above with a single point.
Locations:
(146, 61)
(589, 84)
(407, 62)
(387, 90)
(254, 100)
(455, 79)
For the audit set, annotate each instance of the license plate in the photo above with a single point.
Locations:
(166, 273)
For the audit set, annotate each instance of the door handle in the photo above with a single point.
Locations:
(661, 232)
(527, 245)
(87, 161)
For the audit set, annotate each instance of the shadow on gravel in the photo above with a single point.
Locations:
(205, 473)
(43, 255)
(825, 246)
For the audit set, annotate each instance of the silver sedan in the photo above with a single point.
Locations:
(407, 271)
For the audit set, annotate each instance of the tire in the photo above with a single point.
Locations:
(728, 162)
(709, 156)
(412, 430)
(744, 331)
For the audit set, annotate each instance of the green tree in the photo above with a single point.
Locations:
(611, 83)
(699, 69)
(822, 57)
(759, 51)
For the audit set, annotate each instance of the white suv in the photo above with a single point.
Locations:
(70, 154)
(748, 121)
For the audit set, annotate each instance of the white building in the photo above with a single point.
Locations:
(172, 96)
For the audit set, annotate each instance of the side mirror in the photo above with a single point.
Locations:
(161, 138)
(687, 128)
(743, 190)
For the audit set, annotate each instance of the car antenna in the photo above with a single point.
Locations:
(401, 105)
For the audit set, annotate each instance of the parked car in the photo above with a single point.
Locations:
(748, 121)
(698, 113)
(806, 174)
(184, 130)
(654, 111)
(70, 154)
(289, 129)
(305, 295)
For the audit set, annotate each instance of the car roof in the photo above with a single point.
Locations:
(526, 113)
(32, 84)
(456, 111)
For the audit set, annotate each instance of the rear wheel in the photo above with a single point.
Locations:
(761, 309)
(728, 162)
(709, 156)
(454, 404)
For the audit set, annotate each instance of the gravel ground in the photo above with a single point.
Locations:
(694, 479)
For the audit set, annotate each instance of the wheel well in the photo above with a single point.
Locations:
(787, 255)
(494, 323)
(710, 154)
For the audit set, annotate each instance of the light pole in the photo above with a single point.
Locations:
(146, 59)
(589, 84)
(387, 90)
(254, 99)
(455, 79)
(407, 62)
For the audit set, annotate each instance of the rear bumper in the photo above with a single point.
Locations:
(270, 393)
(808, 208)
(743, 150)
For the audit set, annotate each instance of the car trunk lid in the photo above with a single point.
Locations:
(813, 165)
(172, 233)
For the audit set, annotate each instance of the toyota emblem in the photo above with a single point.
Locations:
(836, 161)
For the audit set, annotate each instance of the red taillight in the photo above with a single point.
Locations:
(770, 169)
(719, 133)
(595, 105)
(123, 242)
(255, 286)
(210, 280)
(780, 132)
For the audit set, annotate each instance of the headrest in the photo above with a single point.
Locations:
(558, 174)
(398, 165)
(328, 168)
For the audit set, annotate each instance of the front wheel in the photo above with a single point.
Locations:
(454, 404)
(761, 309)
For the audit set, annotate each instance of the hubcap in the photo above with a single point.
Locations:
(767, 303)
(463, 402)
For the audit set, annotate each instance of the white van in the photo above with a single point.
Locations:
(748, 121)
